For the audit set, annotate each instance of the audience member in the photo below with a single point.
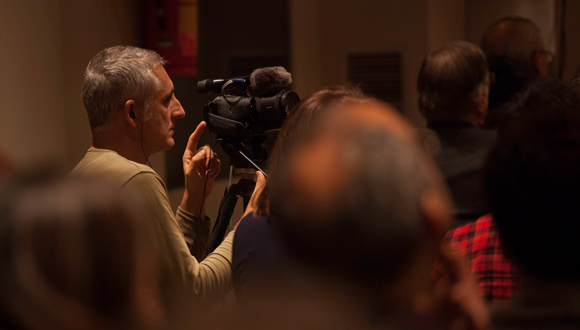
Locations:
(516, 56)
(356, 200)
(72, 256)
(132, 111)
(258, 255)
(531, 182)
(453, 88)
(480, 241)
(5, 165)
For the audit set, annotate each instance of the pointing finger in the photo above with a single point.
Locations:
(194, 138)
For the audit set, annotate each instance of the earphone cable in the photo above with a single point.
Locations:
(142, 149)
(206, 177)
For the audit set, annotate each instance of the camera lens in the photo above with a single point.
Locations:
(287, 101)
(209, 86)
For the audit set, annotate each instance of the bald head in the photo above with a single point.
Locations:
(515, 38)
(349, 195)
(516, 56)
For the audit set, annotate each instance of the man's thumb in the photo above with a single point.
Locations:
(261, 179)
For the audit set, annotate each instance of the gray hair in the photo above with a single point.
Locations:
(450, 81)
(116, 75)
(370, 228)
(517, 41)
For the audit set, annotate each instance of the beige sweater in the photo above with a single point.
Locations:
(178, 239)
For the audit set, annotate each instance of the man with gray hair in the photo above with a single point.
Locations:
(453, 87)
(516, 55)
(132, 112)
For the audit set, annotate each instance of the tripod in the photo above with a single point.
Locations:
(244, 188)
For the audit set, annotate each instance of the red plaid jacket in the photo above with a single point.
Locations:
(479, 242)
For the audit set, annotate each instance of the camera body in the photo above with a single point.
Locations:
(243, 122)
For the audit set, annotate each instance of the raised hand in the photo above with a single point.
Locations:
(200, 167)
(252, 204)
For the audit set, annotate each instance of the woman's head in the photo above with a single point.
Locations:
(299, 122)
(72, 255)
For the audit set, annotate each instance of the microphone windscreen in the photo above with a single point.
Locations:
(270, 79)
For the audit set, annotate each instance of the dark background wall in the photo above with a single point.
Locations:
(48, 43)
(235, 37)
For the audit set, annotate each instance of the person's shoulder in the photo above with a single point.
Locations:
(484, 223)
(110, 166)
(252, 223)
(469, 236)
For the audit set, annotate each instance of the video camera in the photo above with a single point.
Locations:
(247, 112)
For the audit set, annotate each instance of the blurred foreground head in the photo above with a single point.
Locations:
(532, 181)
(356, 197)
(5, 165)
(299, 122)
(72, 256)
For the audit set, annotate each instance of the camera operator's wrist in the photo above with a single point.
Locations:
(194, 203)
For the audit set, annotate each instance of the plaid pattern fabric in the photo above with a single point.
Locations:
(479, 242)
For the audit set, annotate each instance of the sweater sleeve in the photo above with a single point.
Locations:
(196, 232)
(207, 280)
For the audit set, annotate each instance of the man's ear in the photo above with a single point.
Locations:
(437, 212)
(483, 101)
(536, 58)
(127, 110)
(539, 64)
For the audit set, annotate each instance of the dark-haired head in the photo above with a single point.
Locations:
(453, 84)
(544, 94)
(532, 179)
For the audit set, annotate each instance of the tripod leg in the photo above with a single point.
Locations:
(227, 206)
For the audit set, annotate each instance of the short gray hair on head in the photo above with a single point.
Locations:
(369, 229)
(116, 75)
(513, 38)
(450, 81)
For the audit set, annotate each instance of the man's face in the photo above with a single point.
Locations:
(164, 111)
